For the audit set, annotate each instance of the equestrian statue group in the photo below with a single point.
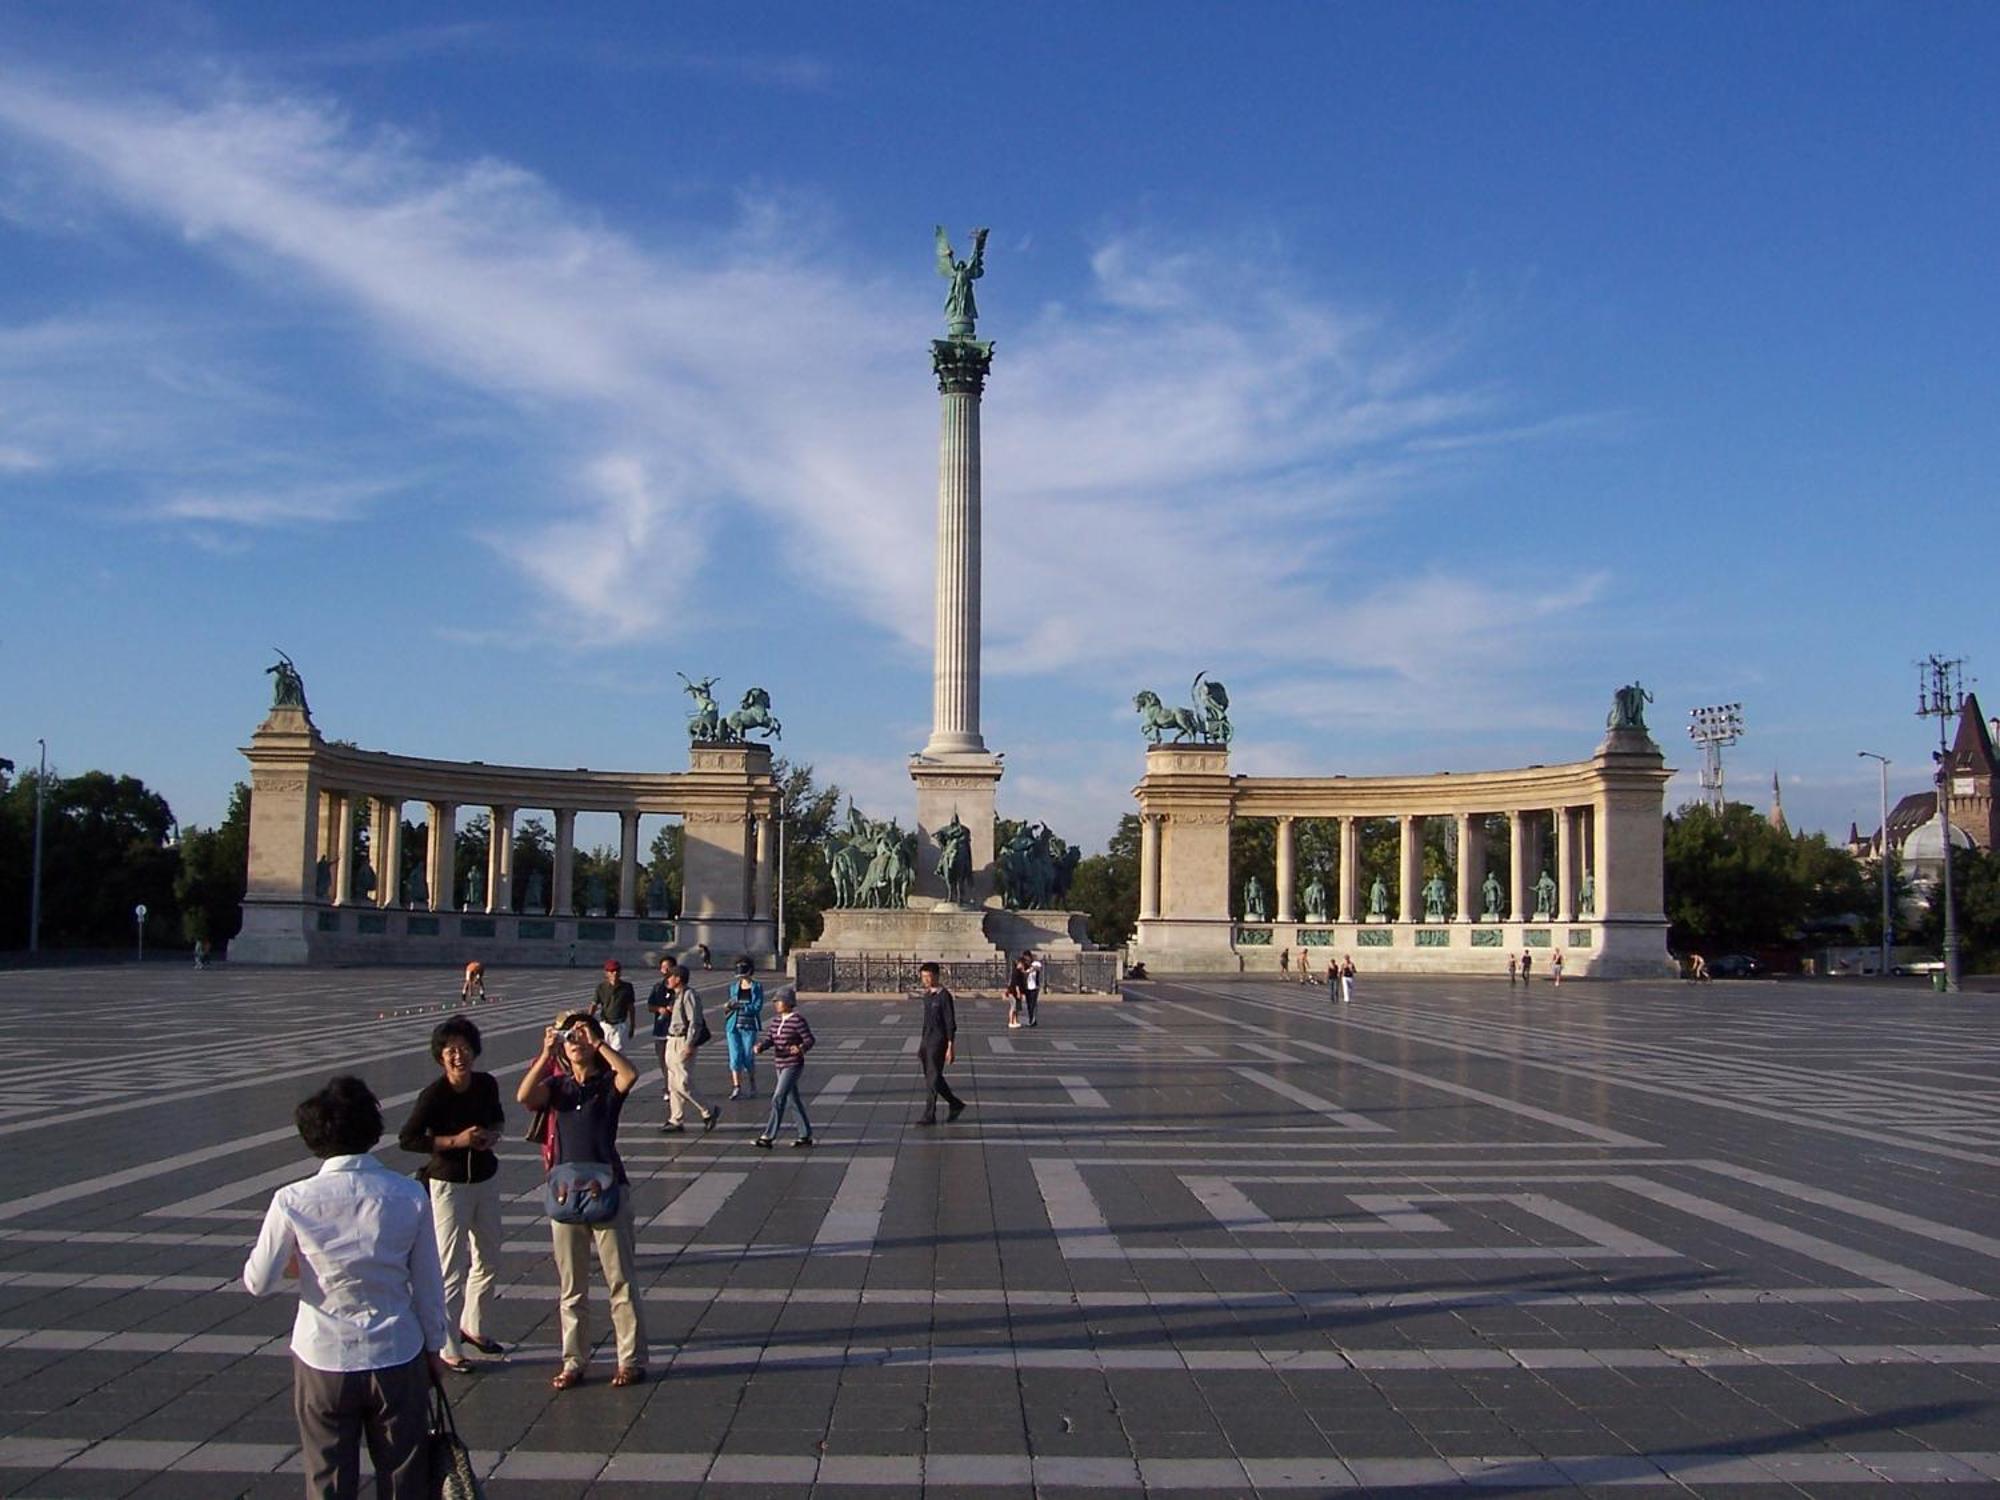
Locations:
(709, 725)
(872, 863)
(1206, 723)
(1036, 868)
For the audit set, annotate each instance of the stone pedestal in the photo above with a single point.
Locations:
(279, 891)
(1188, 788)
(965, 785)
(929, 932)
(719, 851)
(1047, 932)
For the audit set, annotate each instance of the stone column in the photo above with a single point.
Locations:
(388, 851)
(1565, 908)
(500, 861)
(562, 901)
(441, 864)
(760, 892)
(1350, 869)
(343, 859)
(1518, 906)
(1285, 874)
(1471, 860)
(1409, 868)
(1149, 866)
(961, 367)
(628, 864)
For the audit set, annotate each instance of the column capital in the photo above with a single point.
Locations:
(961, 365)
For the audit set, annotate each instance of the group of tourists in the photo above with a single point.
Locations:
(1339, 976)
(1024, 991)
(1523, 967)
(395, 1274)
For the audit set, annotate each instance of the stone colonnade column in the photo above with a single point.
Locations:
(1565, 907)
(1149, 866)
(760, 890)
(1350, 869)
(343, 859)
(1471, 860)
(388, 851)
(1409, 866)
(1285, 875)
(1517, 866)
(628, 864)
(500, 861)
(961, 366)
(562, 900)
(441, 859)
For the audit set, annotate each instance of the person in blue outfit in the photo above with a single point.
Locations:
(743, 1020)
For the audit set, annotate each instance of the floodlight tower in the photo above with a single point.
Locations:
(1941, 696)
(1712, 728)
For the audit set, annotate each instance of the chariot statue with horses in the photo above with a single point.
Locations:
(1207, 722)
(709, 725)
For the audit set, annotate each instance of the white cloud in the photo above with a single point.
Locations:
(1176, 466)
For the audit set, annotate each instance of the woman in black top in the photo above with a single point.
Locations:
(584, 1099)
(456, 1122)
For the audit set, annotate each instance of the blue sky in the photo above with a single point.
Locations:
(1423, 372)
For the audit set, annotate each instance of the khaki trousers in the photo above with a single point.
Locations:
(679, 1057)
(338, 1408)
(466, 1217)
(616, 1253)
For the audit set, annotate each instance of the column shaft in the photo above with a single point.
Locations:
(441, 863)
(1285, 875)
(388, 843)
(562, 900)
(500, 861)
(1471, 859)
(343, 857)
(1350, 869)
(1517, 866)
(628, 864)
(955, 681)
(760, 893)
(1149, 867)
(1409, 874)
(1565, 866)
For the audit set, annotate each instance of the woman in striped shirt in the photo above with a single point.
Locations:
(788, 1039)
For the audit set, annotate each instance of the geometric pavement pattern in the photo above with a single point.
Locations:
(1223, 1238)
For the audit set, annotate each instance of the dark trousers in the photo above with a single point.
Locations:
(936, 1088)
(337, 1408)
(1033, 999)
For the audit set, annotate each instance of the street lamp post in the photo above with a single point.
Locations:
(1882, 854)
(35, 879)
(1941, 696)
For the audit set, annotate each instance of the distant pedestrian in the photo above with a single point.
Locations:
(1285, 963)
(1513, 969)
(788, 1040)
(614, 1005)
(201, 953)
(473, 991)
(1031, 988)
(456, 1122)
(707, 962)
(1016, 988)
(937, 1046)
(1347, 979)
(584, 1097)
(684, 1029)
(742, 1020)
(1527, 965)
(357, 1239)
(1332, 977)
(1556, 967)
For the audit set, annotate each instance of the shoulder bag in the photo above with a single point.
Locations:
(582, 1192)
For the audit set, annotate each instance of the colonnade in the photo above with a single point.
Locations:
(1584, 870)
(307, 796)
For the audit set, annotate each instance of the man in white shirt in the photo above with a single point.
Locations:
(357, 1239)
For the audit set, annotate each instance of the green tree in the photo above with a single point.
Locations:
(1107, 887)
(1975, 895)
(1735, 882)
(106, 849)
(214, 868)
(469, 850)
(810, 812)
(666, 861)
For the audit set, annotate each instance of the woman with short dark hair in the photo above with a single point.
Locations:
(357, 1238)
(457, 1122)
(584, 1098)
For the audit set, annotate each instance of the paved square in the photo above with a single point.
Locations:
(1225, 1238)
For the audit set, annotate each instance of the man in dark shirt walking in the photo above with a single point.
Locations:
(614, 1004)
(938, 1046)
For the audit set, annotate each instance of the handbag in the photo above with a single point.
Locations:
(582, 1192)
(452, 1474)
(700, 1035)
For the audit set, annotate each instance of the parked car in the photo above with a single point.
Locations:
(1920, 966)
(1734, 966)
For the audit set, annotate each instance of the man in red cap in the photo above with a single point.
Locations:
(614, 1005)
